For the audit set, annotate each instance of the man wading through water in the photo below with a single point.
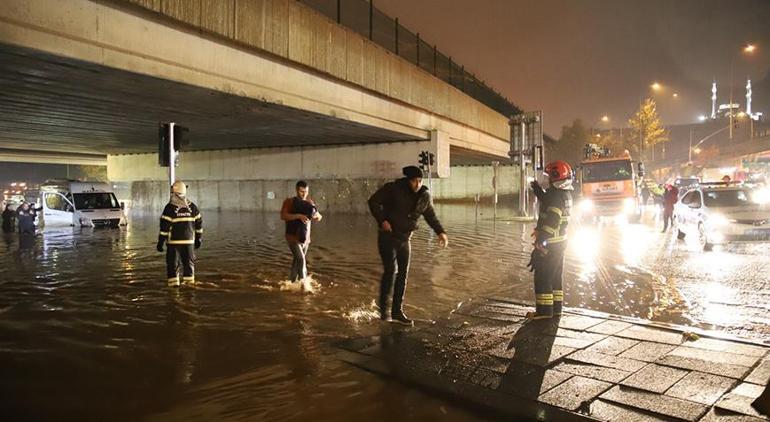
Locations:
(397, 206)
(298, 212)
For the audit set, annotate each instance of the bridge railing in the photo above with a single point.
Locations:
(364, 18)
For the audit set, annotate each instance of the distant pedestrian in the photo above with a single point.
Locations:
(645, 193)
(9, 218)
(25, 219)
(670, 196)
(298, 212)
(396, 207)
(181, 228)
(550, 244)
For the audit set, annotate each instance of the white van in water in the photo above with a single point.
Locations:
(74, 203)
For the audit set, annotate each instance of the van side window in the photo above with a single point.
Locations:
(55, 201)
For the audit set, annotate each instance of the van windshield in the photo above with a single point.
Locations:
(95, 201)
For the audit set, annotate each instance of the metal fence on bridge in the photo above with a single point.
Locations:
(362, 17)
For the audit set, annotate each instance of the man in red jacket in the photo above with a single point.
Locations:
(670, 196)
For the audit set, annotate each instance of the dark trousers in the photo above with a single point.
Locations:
(299, 261)
(395, 255)
(549, 295)
(180, 254)
(668, 218)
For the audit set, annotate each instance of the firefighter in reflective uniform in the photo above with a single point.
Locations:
(181, 228)
(551, 239)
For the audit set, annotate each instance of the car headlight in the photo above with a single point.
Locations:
(628, 205)
(719, 220)
(761, 196)
(586, 205)
(84, 221)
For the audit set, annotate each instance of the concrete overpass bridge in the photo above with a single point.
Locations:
(271, 89)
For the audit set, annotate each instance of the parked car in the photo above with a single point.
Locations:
(722, 213)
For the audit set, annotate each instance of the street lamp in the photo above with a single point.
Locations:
(748, 49)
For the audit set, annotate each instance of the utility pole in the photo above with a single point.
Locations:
(526, 140)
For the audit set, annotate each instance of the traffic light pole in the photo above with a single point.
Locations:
(523, 189)
(171, 155)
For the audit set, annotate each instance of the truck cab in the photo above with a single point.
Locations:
(610, 186)
(83, 204)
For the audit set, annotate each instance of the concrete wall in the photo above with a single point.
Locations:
(334, 162)
(332, 195)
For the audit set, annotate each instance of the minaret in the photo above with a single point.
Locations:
(748, 98)
(714, 100)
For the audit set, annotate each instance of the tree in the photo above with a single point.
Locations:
(569, 146)
(647, 126)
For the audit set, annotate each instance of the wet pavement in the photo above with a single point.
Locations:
(584, 365)
(88, 328)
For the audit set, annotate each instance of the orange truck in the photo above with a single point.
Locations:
(610, 186)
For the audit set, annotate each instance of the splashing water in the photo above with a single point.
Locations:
(308, 285)
(363, 313)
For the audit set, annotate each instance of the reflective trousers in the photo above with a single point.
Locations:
(177, 255)
(549, 295)
(395, 254)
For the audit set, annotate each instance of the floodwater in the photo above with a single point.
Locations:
(89, 329)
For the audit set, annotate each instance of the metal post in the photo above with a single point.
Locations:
(495, 180)
(430, 176)
(450, 70)
(371, 20)
(689, 151)
(396, 21)
(418, 49)
(339, 11)
(171, 155)
(522, 173)
(435, 59)
(462, 81)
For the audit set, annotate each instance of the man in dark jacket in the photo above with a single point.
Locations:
(397, 206)
(181, 229)
(25, 219)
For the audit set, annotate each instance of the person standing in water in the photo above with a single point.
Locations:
(396, 207)
(9, 217)
(298, 212)
(181, 228)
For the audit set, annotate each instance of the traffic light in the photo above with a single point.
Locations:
(424, 158)
(432, 159)
(164, 133)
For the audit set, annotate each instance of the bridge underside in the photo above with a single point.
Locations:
(56, 104)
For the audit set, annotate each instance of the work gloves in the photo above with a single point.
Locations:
(197, 243)
(161, 241)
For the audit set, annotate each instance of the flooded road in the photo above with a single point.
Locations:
(89, 329)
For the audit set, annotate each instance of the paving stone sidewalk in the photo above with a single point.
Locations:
(583, 366)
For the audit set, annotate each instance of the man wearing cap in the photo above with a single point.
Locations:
(396, 207)
(181, 228)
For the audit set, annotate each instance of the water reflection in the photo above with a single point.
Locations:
(92, 306)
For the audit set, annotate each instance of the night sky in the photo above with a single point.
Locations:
(586, 58)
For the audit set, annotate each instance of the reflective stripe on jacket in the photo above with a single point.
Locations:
(181, 225)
